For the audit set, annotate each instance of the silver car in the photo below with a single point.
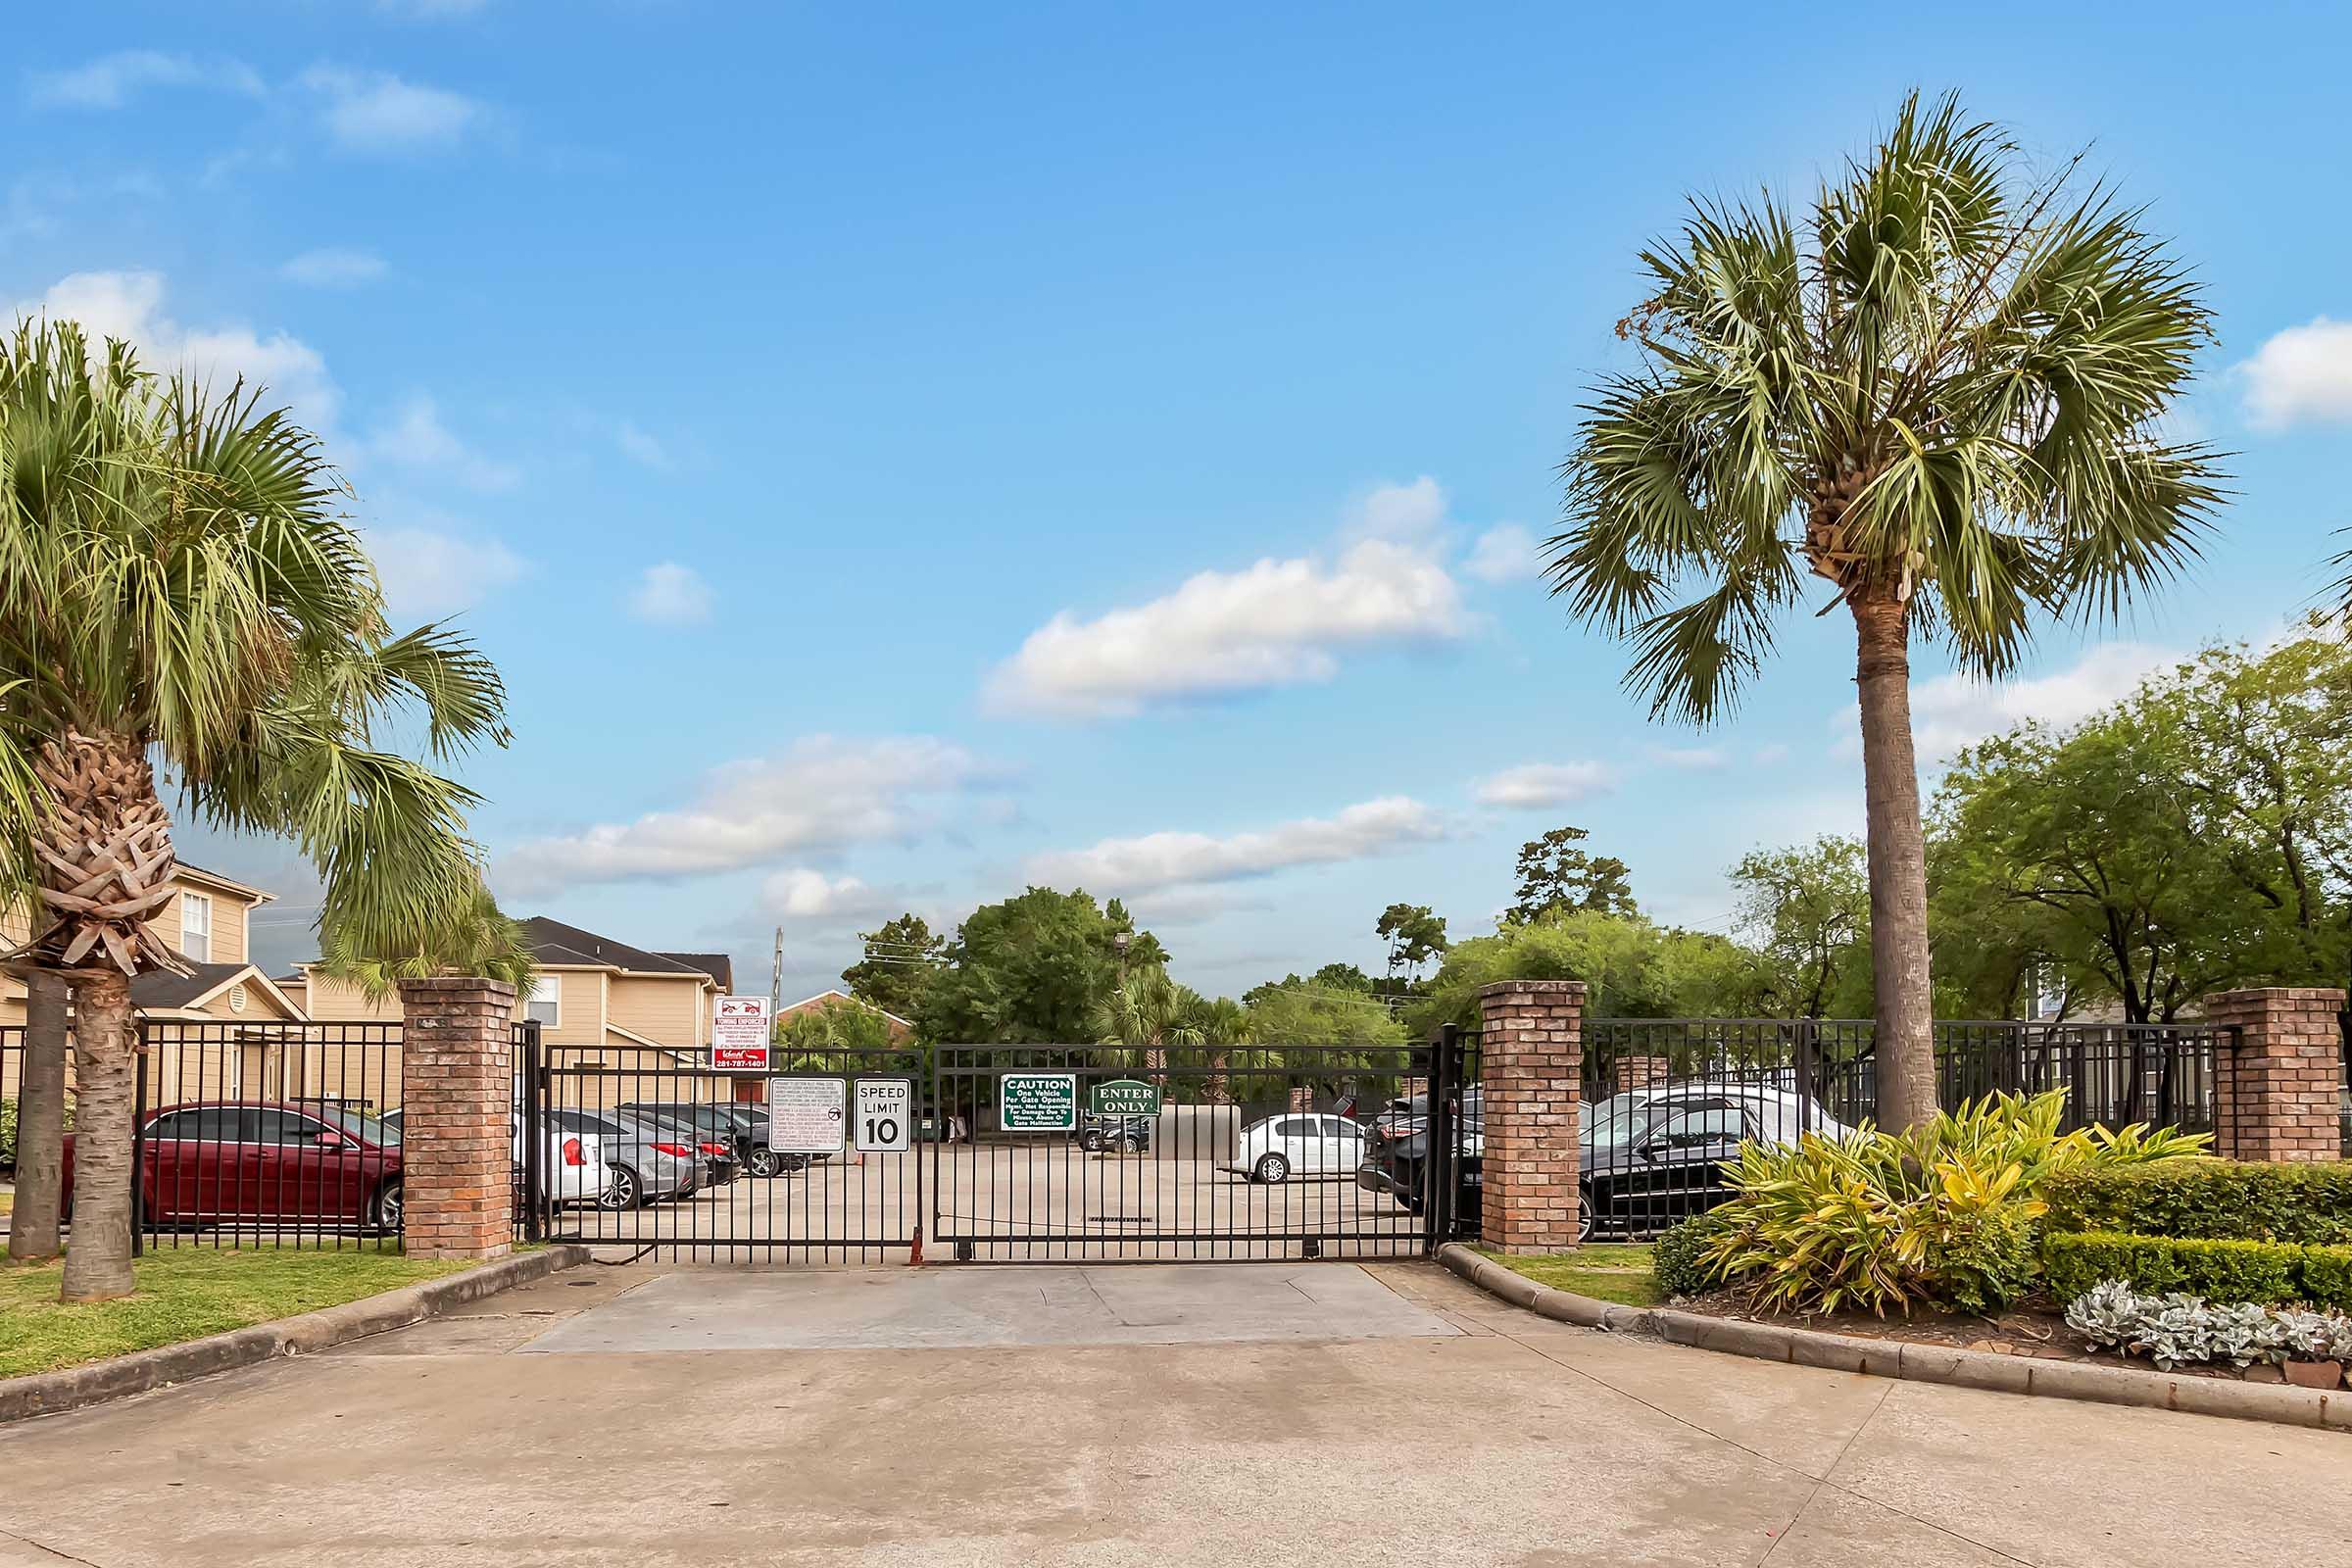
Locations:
(636, 1171)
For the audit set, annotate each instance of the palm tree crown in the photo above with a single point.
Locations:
(1945, 390)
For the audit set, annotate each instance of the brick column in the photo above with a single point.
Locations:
(458, 1138)
(1529, 1049)
(2276, 1093)
(1641, 1072)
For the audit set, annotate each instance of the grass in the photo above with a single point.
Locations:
(187, 1293)
(1606, 1271)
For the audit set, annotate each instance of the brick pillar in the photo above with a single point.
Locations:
(2276, 1093)
(1530, 1048)
(458, 1138)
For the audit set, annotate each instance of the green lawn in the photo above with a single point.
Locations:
(1606, 1271)
(188, 1292)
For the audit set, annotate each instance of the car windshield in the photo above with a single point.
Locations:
(1619, 1120)
(363, 1126)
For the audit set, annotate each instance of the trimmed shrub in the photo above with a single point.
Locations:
(2328, 1277)
(2212, 1200)
(1679, 1260)
(8, 1135)
(2270, 1273)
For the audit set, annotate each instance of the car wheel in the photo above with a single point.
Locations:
(621, 1188)
(764, 1161)
(1091, 1140)
(385, 1212)
(1270, 1168)
(1585, 1221)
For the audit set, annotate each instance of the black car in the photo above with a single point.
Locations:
(1129, 1135)
(1636, 1176)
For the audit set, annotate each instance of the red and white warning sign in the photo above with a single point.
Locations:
(739, 1034)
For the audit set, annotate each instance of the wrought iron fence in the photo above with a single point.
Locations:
(1826, 1068)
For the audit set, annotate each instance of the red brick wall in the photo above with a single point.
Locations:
(2276, 1092)
(1531, 1047)
(457, 1139)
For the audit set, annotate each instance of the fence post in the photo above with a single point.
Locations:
(1531, 1058)
(2279, 1076)
(457, 1137)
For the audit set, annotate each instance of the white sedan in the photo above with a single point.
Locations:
(1298, 1144)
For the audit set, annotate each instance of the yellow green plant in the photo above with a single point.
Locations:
(1943, 1214)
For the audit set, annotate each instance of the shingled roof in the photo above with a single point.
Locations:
(553, 942)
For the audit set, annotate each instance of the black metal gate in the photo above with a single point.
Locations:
(649, 1150)
(1253, 1152)
(1214, 1153)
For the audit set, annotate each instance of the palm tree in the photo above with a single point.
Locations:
(1148, 1011)
(176, 587)
(1942, 390)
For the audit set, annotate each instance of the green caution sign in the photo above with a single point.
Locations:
(1126, 1097)
(1038, 1102)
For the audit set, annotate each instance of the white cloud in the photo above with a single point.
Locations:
(1534, 784)
(1120, 866)
(2302, 373)
(1951, 711)
(1404, 514)
(431, 565)
(129, 305)
(671, 595)
(798, 892)
(334, 266)
(417, 439)
(111, 80)
(1275, 623)
(1692, 759)
(1505, 553)
(639, 447)
(825, 793)
(1773, 755)
(379, 113)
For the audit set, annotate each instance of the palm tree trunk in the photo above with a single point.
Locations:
(40, 1121)
(105, 1037)
(1905, 1048)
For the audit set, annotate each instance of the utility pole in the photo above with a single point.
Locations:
(776, 980)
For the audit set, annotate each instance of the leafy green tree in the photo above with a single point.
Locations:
(2194, 837)
(1807, 909)
(1555, 875)
(2080, 849)
(900, 957)
(1622, 959)
(178, 589)
(1414, 934)
(836, 1035)
(1942, 390)
(473, 937)
(1031, 969)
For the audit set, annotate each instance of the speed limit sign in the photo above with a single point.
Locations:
(885, 1119)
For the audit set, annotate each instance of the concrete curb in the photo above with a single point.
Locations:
(48, 1393)
(2276, 1402)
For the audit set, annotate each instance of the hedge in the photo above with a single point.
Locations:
(2213, 1200)
(2270, 1273)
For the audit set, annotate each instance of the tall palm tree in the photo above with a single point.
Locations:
(176, 587)
(1942, 391)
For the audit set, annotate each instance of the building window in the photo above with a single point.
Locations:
(545, 1004)
(196, 926)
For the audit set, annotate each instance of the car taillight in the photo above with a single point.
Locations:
(673, 1150)
(571, 1152)
(719, 1150)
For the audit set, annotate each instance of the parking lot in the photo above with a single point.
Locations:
(1015, 1200)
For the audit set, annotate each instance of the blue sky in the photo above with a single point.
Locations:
(897, 452)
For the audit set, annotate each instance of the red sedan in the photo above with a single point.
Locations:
(226, 1162)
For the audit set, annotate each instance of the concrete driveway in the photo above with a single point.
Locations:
(1273, 1414)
